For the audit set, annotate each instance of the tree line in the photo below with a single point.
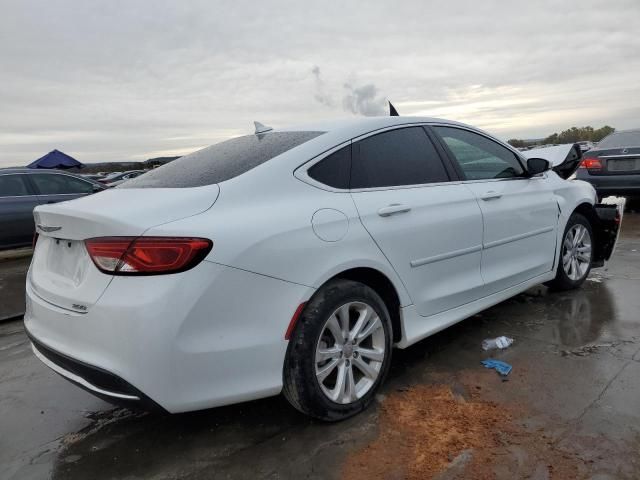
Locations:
(571, 135)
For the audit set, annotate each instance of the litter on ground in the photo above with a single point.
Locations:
(498, 342)
(502, 368)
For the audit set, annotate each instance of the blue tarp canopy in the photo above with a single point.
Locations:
(56, 159)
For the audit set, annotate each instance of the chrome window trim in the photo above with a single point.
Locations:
(301, 172)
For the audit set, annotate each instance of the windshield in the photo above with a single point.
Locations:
(221, 161)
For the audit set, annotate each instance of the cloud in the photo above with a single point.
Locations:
(124, 79)
(364, 100)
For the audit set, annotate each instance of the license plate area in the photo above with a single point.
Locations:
(65, 258)
(624, 165)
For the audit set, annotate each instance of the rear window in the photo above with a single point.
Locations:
(221, 161)
(621, 139)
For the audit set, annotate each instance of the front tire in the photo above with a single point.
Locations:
(576, 254)
(339, 353)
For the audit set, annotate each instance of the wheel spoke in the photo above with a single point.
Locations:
(363, 318)
(376, 355)
(343, 317)
(349, 393)
(338, 390)
(326, 370)
(334, 328)
(324, 354)
(365, 368)
(374, 325)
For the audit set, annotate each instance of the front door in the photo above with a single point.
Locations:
(520, 213)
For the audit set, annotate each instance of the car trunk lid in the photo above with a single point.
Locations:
(62, 273)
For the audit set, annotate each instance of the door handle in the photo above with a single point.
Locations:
(393, 209)
(491, 195)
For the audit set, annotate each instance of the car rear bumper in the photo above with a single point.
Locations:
(207, 337)
(95, 380)
(626, 185)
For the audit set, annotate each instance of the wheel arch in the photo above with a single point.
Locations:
(383, 286)
(588, 211)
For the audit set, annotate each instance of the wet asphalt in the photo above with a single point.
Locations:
(576, 365)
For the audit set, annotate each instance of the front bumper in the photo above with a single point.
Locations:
(607, 229)
(211, 336)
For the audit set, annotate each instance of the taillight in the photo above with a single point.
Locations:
(146, 255)
(591, 164)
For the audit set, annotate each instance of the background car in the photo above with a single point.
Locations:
(120, 177)
(23, 189)
(585, 145)
(613, 167)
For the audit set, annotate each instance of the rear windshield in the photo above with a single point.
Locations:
(621, 139)
(221, 161)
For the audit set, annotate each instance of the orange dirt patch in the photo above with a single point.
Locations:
(427, 431)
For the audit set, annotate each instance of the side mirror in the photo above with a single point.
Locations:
(97, 188)
(535, 166)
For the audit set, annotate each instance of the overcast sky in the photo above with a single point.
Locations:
(129, 80)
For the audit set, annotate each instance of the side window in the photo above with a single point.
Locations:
(334, 170)
(478, 157)
(53, 184)
(13, 186)
(403, 156)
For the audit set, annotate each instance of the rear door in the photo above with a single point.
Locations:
(17, 201)
(57, 187)
(520, 213)
(428, 227)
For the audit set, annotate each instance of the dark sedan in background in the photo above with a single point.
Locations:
(613, 167)
(22, 189)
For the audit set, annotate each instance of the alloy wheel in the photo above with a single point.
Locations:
(350, 352)
(576, 252)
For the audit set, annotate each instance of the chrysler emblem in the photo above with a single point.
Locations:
(46, 228)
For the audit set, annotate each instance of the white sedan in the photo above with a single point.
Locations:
(294, 260)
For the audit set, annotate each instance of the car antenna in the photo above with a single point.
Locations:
(392, 110)
(260, 128)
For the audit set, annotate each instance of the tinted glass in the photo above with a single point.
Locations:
(52, 184)
(621, 139)
(404, 156)
(333, 170)
(478, 157)
(13, 186)
(221, 161)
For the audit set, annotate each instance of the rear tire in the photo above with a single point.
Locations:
(339, 353)
(576, 254)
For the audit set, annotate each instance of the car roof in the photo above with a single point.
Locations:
(361, 125)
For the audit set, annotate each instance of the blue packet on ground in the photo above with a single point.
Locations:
(501, 367)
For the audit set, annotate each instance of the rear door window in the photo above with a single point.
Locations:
(54, 184)
(221, 161)
(403, 156)
(13, 185)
